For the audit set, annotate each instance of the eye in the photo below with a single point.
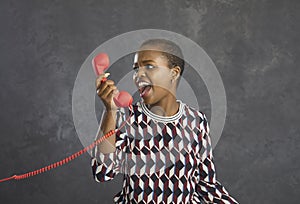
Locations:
(149, 66)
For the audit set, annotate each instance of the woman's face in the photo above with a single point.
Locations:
(153, 76)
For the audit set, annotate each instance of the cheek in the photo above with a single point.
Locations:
(163, 82)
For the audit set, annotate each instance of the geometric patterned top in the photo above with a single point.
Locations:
(163, 159)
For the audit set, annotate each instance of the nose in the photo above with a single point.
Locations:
(141, 72)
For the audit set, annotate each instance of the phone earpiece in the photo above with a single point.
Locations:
(100, 64)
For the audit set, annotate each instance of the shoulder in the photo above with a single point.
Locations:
(196, 118)
(190, 111)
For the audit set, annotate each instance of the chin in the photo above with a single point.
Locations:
(148, 101)
(145, 101)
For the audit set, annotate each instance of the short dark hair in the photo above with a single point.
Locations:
(170, 50)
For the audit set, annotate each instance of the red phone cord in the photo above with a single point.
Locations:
(64, 161)
(59, 163)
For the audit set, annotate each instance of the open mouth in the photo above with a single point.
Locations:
(144, 88)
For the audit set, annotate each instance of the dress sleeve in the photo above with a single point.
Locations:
(106, 166)
(208, 187)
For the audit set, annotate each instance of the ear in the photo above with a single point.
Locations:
(176, 72)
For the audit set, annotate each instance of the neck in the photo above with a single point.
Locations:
(168, 106)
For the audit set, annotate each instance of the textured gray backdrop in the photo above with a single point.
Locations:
(254, 44)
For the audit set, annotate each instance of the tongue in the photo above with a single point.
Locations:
(145, 90)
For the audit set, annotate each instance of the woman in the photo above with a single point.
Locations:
(163, 146)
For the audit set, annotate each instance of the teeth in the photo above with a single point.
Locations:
(143, 84)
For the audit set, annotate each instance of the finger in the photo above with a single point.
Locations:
(108, 91)
(104, 84)
(101, 78)
(101, 89)
(111, 95)
(104, 89)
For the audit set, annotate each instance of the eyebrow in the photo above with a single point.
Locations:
(144, 62)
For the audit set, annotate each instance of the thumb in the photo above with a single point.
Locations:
(101, 78)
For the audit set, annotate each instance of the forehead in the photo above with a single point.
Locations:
(146, 55)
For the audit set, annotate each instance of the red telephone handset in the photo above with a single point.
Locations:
(100, 64)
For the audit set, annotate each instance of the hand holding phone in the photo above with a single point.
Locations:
(107, 87)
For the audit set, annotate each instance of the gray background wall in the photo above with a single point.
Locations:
(254, 44)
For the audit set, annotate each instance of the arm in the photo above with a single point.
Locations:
(106, 165)
(107, 157)
(211, 190)
(106, 90)
(108, 124)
